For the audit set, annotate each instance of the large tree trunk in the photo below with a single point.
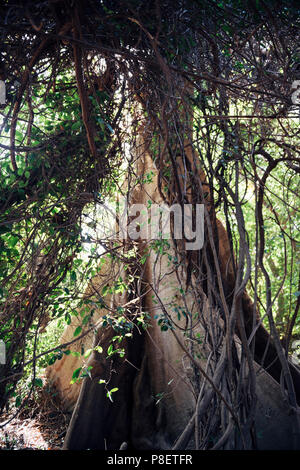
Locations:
(157, 381)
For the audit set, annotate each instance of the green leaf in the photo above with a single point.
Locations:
(86, 319)
(75, 375)
(13, 241)
(110, 350)
(75, 353)
(38, 382)
(110, 392)
(76, 125)
(52, 360)
(164, 328)
(18, 401)
(87, 353)
(77, 331)
(104, 290)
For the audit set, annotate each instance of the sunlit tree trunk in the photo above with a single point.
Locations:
(146, 412)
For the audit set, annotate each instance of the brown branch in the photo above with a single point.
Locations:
(18, 102)
(85, 107)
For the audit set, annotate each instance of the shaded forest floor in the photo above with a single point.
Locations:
(41, 425)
